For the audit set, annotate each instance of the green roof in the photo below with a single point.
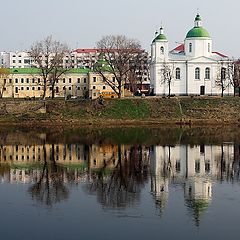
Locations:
(24, 71)
(198, 32)
(79, 70)
(38, 71)
(160, 37)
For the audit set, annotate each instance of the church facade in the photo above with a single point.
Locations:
(192, 68)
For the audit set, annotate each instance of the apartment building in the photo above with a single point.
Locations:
(76, 82)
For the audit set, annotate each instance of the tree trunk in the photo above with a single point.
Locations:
(222, 92)
(119, 92)
(169, 89)
(53, 90)
(44, 88)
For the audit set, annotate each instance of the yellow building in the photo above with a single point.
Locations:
(76, 82)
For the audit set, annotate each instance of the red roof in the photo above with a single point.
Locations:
(179, 49)
(85, 50)
(220, 54)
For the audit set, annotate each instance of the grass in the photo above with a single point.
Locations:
(212, 109)
(126, 109)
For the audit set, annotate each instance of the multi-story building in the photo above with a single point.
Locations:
(84, 60)
(77, 82)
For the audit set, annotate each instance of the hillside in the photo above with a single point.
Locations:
(131, 111)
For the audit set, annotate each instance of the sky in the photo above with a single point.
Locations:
(81, 24)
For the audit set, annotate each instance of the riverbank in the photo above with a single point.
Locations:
(121, 112)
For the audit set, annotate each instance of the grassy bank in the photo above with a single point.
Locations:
(134, 111)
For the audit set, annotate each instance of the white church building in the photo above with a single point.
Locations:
(192, 68)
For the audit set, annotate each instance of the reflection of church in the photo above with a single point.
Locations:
(194, 167)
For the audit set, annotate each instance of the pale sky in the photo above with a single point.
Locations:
(82, 23)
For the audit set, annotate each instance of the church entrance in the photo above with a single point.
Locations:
(202, 90)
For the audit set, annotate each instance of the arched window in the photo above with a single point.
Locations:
(207, 73)
(223, 73)
(190, 47)
(162, 50)
(178, 73)
(197, 73)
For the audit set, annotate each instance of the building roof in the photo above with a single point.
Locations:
(198, 31)
(160, 36)
(86, 50)
(30, 71)
(178, 49)
(220, 54)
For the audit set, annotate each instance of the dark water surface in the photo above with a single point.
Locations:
(132, 183)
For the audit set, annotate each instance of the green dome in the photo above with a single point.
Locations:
(198, 32)
(160, 37)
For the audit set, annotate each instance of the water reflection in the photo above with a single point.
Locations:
(117, 173)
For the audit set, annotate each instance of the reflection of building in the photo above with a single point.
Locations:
(61, 153)
(192, 166)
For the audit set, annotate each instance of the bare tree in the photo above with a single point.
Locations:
(48, 55)
(4, 74)
(167, 72)
(117, 54)
(224, 77)
(236, 77)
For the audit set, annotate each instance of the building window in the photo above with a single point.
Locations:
(33, 80)
(207, 166)
(178, 166)
(27, 80)
(94, 87)
(197, 166)
(178, 72)
(162, 50)
(78, 88)
(39, 80)
(39, 88)
(57, 89)
(33, 88)
(190, 47)
(113, 79)
(78, 80)
(16, 80)
(63, 80)
(207, 73)
(70, 80)
(27, 88)
(22, 80)
(197, 73)
(104, 87)
(94, 79)
(10, 80)
(223, 73)
(70, 88)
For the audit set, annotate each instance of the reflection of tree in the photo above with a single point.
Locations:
(50, 188)
(121, 186)
(228, 166)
